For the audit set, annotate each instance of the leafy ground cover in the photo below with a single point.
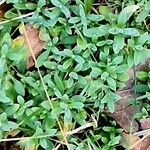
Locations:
(74, 74)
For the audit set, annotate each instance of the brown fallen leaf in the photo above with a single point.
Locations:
(35, 42)
(125, 119)
(145, 144)
(129, 139)
(142, 144)
(124, 113)
(145, 123)
(3, 8)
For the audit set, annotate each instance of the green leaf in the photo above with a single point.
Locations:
(50, 65)
(20, 6)
(19, 87)
(59, 82)
(69, 40)
(42, 57)
(29, 103)
(20, 100)
(76, 105)
(11, 14)
(142, 75)
(106, 98)
(10, 110)
(4, 49)
(68, 115)
(78, 98)
(112, 83)
(49, 124)
(142, 15)
(122, 68)
(12, 1)
(63, 8)
(31, 6)
(10, 125)
(115, 30)
(110, 99)
(4, 98)
(56, 3)
(81, 43)
(73, 75)
(103, 57)
(78, 67)
(114, 140)
(43, 143)
(95, 18)
(123, 76)
(57, 93)
(3, 117)
(83, 17)
(104, 75)
(130, 59)
(138, 57)
(74, 20)
(63, 105)
(131, 32)
(148, 83)
(101, 43)
(88, 5)
(79, 59)
(147, 5)
(105, 10)
(41, 3)
(68, 52)
(52, 132)
(66, 11)
(126, 13)
(67, 64)
(2, 66)
(149, 74)
(141, 88)
(108, 129)
(70, 83)
(143, 38)
(118, 43)
(6, 39)
(95, 72)
(97, 31)
(46, 105)
(117, 60)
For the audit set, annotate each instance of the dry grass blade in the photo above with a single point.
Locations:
(23, 138)
(41, 78)
(142, 133)
(91, 124)
(17, 18)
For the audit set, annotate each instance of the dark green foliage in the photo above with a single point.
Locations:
(85, 59)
